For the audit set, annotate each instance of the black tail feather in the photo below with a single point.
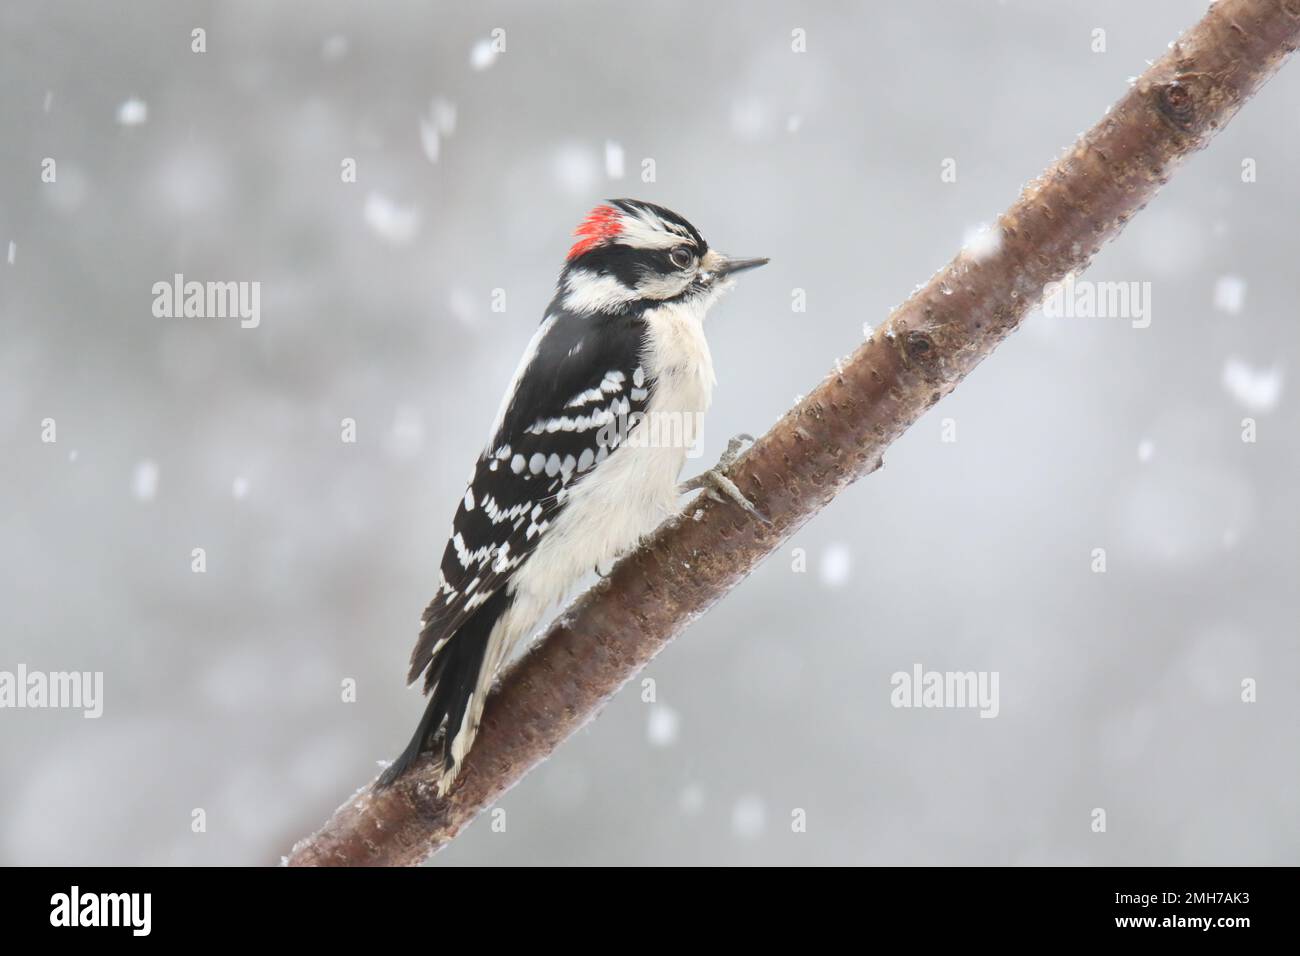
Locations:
(424, 733)
(453, 673)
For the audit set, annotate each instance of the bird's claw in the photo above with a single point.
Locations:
(728, 457)
(719, 487)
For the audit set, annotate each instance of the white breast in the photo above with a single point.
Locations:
(635, 489)
(625, 498)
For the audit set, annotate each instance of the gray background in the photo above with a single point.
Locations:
(1118, 690)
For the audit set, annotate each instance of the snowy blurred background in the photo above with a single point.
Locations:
(223, 690)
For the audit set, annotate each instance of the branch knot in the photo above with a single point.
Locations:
(1176, 104)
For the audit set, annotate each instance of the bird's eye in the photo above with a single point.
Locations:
(681, 257)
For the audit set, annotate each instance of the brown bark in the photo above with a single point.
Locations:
(835, 435)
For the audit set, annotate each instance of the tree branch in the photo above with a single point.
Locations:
(834, 436)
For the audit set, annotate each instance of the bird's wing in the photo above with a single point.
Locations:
(568, 409)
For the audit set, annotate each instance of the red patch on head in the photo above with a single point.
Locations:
(602, 223)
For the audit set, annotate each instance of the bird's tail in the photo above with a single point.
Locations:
(456, 682)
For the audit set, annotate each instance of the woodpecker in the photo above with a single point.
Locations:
(563, 484)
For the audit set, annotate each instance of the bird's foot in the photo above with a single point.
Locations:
(719, 487)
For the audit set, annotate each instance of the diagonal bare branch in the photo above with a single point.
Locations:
(835, 435)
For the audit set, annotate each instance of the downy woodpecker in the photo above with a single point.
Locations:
(563, 484)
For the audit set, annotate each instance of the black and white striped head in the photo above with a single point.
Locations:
(629, 252)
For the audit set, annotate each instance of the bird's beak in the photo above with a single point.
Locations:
(730, 266)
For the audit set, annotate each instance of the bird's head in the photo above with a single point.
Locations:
(629, 253)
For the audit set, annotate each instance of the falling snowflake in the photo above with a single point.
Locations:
(239, 488)
(981, 242)
(749, 119)
(1145, 450)
(661, 729)
(1257, 389)
(439, 124)
(613, 159)
(430, 141)
(575, 169)
(443, 112)
(391, 222)
(133, 112)
(836, 563)
(463, 305)
(482, 55)
(748, 818)
(144, 481)
(1229, 294)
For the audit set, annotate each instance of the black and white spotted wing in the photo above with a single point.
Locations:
(570, 409)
